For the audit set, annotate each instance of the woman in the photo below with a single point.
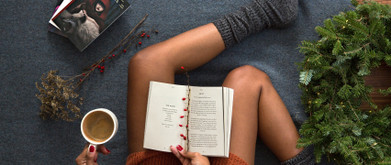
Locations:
(258, 110)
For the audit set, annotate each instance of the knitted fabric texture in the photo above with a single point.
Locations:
(163, 158)
(254, 17)
(305, 157)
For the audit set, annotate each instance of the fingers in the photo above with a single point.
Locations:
(92, 155)
(102, 149)
(89, 155)
(189, 155)
(175, 151)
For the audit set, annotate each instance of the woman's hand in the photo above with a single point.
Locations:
(193, 158)
(89, 156)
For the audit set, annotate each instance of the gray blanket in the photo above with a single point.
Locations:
(28, 51)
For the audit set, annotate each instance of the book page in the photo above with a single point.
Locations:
(206, 121)
(228, 105)
(165, 106)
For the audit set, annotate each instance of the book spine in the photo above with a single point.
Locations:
(187, 117)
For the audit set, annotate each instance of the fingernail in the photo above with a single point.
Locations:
(96, 160)
(179, 147)
(92, 148)
(108, 150)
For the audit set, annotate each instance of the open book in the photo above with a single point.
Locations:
(197, 118)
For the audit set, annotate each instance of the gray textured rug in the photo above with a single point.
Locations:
(28, 51)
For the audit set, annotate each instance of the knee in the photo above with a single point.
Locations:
(143, 60)
(248, 76)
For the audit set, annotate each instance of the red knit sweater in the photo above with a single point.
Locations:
(163, 158)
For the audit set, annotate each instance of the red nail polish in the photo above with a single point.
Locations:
(96, 160)
(179, 147)
(180, 125)
(108, 150)
(185, 109)
(92, 148)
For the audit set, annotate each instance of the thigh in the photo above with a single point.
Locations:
(143, 68)
(245, 111)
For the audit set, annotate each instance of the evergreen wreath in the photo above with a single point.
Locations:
(331, 77)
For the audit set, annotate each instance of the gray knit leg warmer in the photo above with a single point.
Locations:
(305, 157)
(254, 17)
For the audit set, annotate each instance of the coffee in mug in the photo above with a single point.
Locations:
(99, 126)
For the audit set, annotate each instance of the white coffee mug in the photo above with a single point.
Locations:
(99, 126)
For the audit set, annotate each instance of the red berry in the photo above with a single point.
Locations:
(183, 99)
(102, 67)
(101, 71)
(139, 43)
(124, 50)
(148, 36)
(93, 65)
(182, 116)
(143, 34)
(182, 135)
(185, 109)
(103, 60)
(187, 126)
(180, 125)
(84, 74)
(81, 80)
(182, 67)
(109, 57)
(113, 55)
(98, 66)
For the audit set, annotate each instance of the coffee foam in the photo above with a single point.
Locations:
(98, 126)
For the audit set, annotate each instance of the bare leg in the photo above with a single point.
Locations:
(259, 108)
(160, 62)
